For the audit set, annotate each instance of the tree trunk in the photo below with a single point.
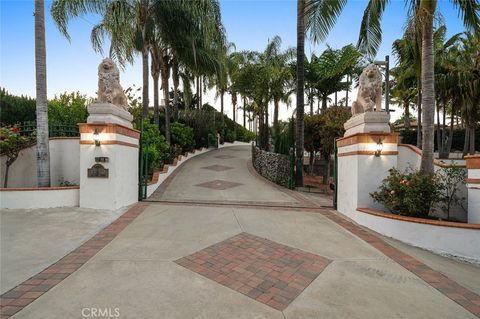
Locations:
(5, 181)
(324, 102)
(428, 90)
(326, 173)
(275, 115)
(165, 76)
(450, 134)
(234, 106)
(336, 99)
(198, 91)
(267, 130)
(406, 107)
(145, 82)
(300, 92)
(439, 145)
(176, 82)
(346, 92)
(419, 117)
(310, 163)
(221, 111)
(200, 84)
(244, 117)
(43, 150)
(311, 101)
(466, 141)
(156, 106)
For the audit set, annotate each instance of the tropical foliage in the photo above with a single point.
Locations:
(320, 17)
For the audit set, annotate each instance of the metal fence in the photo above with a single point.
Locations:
(55, 130)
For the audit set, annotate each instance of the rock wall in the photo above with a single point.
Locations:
(274, 167)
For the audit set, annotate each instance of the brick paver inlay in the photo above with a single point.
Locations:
(219, 184)
(218, 168)
(269, 272)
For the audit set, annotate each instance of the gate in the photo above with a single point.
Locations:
(142, 166)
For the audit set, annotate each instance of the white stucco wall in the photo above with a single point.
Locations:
(42, 198)
(359, 175)
(120, 188)
(452, 241)
(474, 198)
(64, 165)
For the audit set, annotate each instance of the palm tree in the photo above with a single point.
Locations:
(321, 16)
(300, 125)
(43, 152)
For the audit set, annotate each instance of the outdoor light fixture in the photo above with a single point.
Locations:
(379, 148)
(96, 137)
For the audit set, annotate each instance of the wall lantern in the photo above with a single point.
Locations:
(96, 137)
(378, 148)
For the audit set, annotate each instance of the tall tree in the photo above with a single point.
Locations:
(43, 152)
(322, 15)
(300, 124)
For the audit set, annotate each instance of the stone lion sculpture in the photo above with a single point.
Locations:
(369, 94)
(109, 88)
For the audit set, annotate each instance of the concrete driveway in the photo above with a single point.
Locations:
(221, 242)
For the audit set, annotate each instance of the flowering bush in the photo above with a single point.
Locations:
(410, 193)
(11, 143)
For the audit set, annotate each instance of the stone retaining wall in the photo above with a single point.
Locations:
(274, 167)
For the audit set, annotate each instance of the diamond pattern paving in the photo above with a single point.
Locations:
(271, 273)
(218, 168)
(219, 184)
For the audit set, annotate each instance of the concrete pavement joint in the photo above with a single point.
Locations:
(14, 300)
(238, 222)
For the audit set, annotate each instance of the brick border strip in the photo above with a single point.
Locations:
(28, 291)
(466, 298)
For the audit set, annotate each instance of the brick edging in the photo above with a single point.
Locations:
(31, 289)
(466, 298)
(26, 189)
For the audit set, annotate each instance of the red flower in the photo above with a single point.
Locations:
(15, 130)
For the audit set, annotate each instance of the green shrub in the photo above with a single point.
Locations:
(244, 135)
(230, 137)
(410, 137)
(410, 193)
(155, 146)
(182, 136)
(68, 109)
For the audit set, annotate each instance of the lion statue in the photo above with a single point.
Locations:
(369, 94)
(109, 88)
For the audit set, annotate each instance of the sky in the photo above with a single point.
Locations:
(72, 66)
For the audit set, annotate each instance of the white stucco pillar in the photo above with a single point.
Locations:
(360, 171)
(473, 187)
(113, 164)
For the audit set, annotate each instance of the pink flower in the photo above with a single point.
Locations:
(392, 192)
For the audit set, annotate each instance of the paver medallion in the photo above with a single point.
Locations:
(269, 272)
(219, 184)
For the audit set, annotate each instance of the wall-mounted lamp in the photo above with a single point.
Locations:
(96, 137)
(378, 148)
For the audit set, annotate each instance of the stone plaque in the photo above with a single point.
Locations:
(98, 170)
